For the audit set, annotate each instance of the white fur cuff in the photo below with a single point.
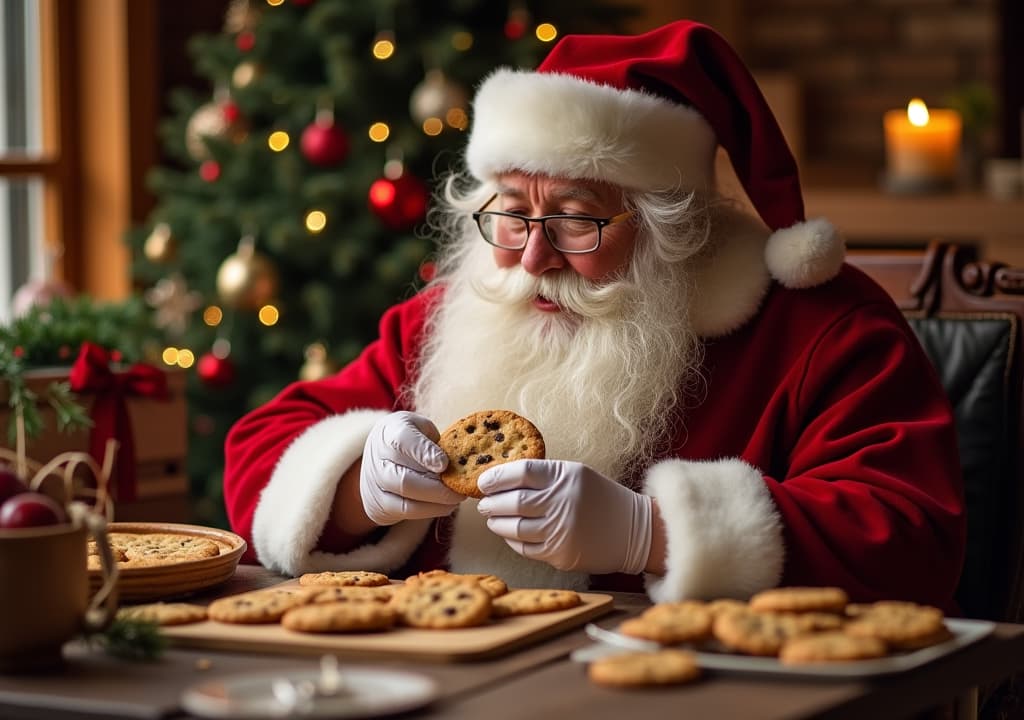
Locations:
(724, 533)
(296, 503)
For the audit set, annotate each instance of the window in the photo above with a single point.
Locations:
(24, 165)
(31, 165)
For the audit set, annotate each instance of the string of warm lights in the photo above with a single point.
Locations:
(443, 104)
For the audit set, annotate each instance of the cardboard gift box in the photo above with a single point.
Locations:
(159, 432)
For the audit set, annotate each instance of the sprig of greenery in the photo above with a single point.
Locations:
(130, 639)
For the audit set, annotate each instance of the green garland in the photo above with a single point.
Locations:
(50, 335)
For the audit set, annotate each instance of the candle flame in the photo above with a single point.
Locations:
(917, 112)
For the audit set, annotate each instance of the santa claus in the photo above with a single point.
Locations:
(726, 406)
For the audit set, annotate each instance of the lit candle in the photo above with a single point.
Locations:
(922, 148)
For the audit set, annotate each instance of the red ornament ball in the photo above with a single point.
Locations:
(245, 41)
(399, 203)
(324, 144)
(209, 171)
(215, 371)
(231, 113)
(515, 29)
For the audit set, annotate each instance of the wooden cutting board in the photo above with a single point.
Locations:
(497, 638)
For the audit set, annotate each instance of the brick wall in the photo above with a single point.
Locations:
(855, 59)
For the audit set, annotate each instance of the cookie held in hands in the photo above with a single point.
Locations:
(482, 440)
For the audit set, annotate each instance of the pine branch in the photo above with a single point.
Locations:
(131, 639)
(70, 414)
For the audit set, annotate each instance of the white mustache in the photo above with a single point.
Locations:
(571, 291)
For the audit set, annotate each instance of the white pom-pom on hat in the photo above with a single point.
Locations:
(806, 254)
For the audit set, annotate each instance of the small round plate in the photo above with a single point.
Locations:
(366, 692)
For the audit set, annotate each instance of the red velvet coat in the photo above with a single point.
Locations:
(823, 420)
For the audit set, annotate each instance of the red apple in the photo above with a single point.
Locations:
(10, 484)
(31, 509)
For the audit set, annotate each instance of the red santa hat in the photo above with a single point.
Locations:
(646, 112)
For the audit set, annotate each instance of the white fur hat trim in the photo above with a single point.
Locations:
(562, 125)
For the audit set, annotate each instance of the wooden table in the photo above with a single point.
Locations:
(538, 681)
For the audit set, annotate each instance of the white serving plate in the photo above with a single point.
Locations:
(964, 632)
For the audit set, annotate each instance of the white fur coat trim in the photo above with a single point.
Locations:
(733, 274)
(295, 504)
(730, 278)
(557, 124)
(724, 531)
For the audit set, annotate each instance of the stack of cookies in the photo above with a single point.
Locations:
(139, 550)
(797, 625)
(364, 601)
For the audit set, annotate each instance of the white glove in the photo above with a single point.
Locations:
(399, 476)
(568, 515)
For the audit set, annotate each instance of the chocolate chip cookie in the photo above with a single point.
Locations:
(482, 440)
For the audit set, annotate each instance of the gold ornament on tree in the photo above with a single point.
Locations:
(246, 73)
(317, 365)
(439, 98)
(161, 244)
(247, 280)
(241, 16)
(220, 120)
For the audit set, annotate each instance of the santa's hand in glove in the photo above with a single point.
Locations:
(567, 515)
(399, 478)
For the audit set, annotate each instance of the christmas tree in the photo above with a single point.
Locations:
(290, 210)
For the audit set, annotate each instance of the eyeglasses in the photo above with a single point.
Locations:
(572, 234)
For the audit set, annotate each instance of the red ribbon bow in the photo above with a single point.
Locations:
(91, 373)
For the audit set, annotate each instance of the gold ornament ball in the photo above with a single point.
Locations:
(161, 245)
(317, 365)
(247, 280)
(435, 96)
(246, 73)
(209, 121)
(241, 15)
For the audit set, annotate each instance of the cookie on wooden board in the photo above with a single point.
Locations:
(345, 578)
(493, 584)
(439, 604)
(162, 613)
(339, 617)
(529, 601)
(259, 606)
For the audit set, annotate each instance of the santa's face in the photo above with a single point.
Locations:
(538, 195)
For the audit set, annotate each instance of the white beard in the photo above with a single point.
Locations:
(601, 380)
